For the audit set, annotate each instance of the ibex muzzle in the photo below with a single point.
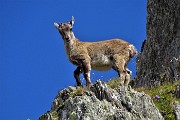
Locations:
(102, 55)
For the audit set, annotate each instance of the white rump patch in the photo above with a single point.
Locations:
(133, 50)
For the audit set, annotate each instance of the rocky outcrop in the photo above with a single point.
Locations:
(177, 110)
(159, 59)
(102, 103)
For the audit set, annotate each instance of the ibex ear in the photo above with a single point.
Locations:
(72, 21)
(56, 25)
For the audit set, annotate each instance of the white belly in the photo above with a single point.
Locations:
(101, 63)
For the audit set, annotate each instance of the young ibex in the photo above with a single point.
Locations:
(102, 55)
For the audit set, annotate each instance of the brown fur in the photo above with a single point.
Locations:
(102, 55)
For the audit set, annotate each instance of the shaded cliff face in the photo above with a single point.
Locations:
(102, 103)
(159, 59)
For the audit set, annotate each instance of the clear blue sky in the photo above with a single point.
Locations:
(33, 63)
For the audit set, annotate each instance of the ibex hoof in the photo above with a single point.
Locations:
(88, 85)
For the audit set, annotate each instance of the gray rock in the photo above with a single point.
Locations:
(159, 59)
(177, 111)
(177, 91)
(102, 103)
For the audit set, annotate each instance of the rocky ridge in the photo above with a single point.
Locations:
(102, 103)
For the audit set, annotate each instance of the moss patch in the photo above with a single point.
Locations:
(54, 115)
(78, 92)
(73, 116)
(114, 83)
(163, 97)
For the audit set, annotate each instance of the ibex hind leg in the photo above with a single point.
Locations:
(77, 72)
(127, 77)
(119, 66)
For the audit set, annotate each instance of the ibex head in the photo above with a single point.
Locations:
(65, 29)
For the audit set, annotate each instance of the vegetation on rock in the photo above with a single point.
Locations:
(163, 97)
(114, 83)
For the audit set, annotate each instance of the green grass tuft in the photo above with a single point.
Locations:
(114, 83)
(80, 91)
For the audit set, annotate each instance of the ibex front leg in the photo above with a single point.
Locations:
(77, 72)
(86, 69)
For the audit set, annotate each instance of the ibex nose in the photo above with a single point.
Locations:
(66, 38)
